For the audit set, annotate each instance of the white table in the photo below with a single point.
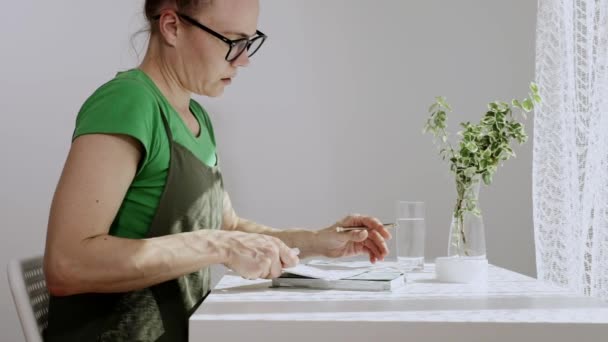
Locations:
(512, 307)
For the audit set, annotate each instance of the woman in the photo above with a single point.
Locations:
(140, 211)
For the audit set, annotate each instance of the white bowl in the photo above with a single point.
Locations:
(457, 269)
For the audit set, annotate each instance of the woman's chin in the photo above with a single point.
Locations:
(213, 92)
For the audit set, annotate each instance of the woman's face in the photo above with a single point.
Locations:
(201, 64)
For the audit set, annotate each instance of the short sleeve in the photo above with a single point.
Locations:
(121, 106)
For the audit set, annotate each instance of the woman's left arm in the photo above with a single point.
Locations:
(302, 239)
(326, 242)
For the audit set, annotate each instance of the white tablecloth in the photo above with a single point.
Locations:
(510, 306)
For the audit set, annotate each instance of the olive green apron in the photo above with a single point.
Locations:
(192, 200)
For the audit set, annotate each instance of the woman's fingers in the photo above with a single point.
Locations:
(376, 225)
(372, 258)
(370, 222)
(372, 247)
(379, 242)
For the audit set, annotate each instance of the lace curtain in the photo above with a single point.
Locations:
(570, 163)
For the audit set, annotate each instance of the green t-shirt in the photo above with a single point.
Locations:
(132, 105)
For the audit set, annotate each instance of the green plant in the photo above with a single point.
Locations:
(482, 147)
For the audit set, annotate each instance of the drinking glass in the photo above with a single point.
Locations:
(410, 231)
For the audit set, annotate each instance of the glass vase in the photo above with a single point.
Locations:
(467, 233)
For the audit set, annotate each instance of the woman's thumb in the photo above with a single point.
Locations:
(358, 235)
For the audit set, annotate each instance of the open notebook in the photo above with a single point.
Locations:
(365, 279)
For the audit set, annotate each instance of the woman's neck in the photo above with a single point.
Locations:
(165, 78)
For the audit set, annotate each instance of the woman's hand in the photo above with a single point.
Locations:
(371, 240)
(255, 256)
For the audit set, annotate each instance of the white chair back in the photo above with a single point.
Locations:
(31, 297)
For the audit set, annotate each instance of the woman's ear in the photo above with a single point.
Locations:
(168, 26)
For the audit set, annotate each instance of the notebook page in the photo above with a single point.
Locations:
(326, 274)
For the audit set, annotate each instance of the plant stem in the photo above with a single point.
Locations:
(464, 239)
(459, 216)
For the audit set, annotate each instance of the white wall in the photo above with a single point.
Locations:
(326, 121)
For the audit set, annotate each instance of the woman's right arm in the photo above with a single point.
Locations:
(82, 257)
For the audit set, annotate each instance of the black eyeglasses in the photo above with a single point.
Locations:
(237, 46)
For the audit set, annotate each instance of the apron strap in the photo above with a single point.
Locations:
(166, 124)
